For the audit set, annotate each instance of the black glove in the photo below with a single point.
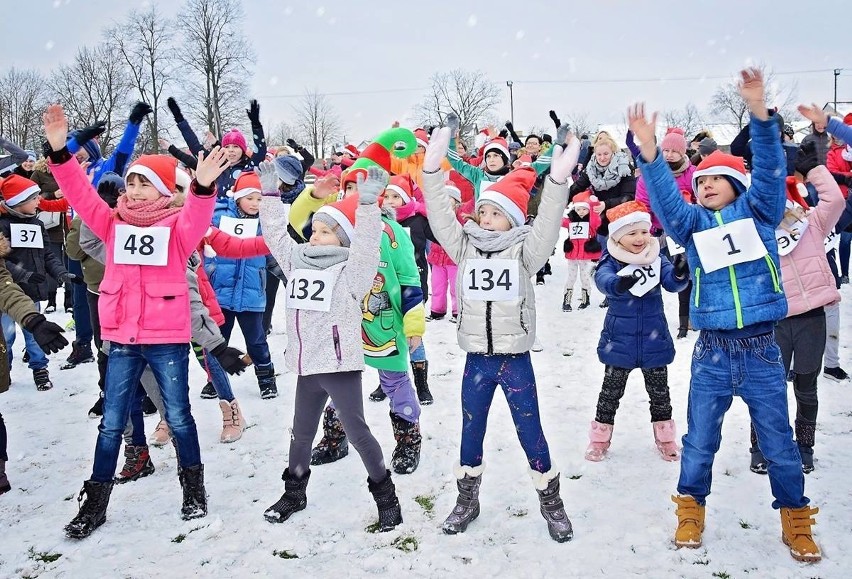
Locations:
(47, 334)
(253, 113)
(109, 192)
(139, 111)
(504, 133)
(230, 358)
(73, 278)
(625, 283)
(681, 268)
(555, 119)
(46, 149)
(176, 113)
(88, 133)
(806, 159)
(293, 144)
(36, 278)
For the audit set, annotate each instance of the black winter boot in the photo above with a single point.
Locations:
(334, 445)
(805, 434)
(683, 328)
(92, 511)
(584, 300)
(378, 394)
(266, 381)
(41, 377)
(137, 464)
(384, 493)
(209, 391)
(79, 355)
(293, 500)
(406, 455)
(421, 382)
(5, 487)
(194, 495)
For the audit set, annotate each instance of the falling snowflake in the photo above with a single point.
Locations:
(519, 35)
(273, 80)
(654, 335)
(288, 11)
(49, 45)
(321, 11)
(471, 20)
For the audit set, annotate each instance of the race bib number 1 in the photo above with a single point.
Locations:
(141, 245)
(648, 275)
(242, 228)
(310, 289)
(26, 235)
(729, 244)
(579, 230)
(493, 280)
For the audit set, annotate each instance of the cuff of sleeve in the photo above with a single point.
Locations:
(60, 156)
(414, 322)
(202, 191)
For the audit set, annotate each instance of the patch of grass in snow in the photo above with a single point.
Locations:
(745, 524)
(575, 477)
(426, 502)
(44, 556)
(179, 538)
(285, 554)
(373, 527)
(721, 575)
(68, 498)
(406, 544)
(701, 562)
(728, 473)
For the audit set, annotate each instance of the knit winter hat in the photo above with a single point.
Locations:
(707, 146)
(511, 194)
(378, 153)
(16, 190)
(402, 185)
(499, 145)
(340, 216)
(625, 217)
(31, 155)
(795, 191)
(719, 163)
(422, 137)
(160, 170)
(234, 137)
(246, 184)
(288, 168)
(584, 199)
(453, 191)
(674, 140)
(91, 146)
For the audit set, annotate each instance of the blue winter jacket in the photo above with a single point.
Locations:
(748, 293)
(240, 284)
(117, 162)
(635, 332)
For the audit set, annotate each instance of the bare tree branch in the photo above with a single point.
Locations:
(688, 118)
(316, 123)
(23, 97)
(468, 94)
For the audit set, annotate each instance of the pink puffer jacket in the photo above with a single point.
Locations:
(140, 304)
(808, 281)
(684, 182)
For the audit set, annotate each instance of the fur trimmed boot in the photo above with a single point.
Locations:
(334, 445)
(293, 500)
(384, 493)
(92, 510)
(600, 435)
(468, 480)
(796, 533)
(552, 508)
(665, 436)
(690, 521)
(233, 423)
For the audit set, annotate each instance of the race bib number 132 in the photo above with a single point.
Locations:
(310, 289)
(493, 280)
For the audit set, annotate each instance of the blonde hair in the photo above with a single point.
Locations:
(604, 139)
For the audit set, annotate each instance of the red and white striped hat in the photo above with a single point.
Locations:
(17, 189)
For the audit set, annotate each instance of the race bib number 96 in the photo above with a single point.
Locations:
(141, 245)
(310, 289)
(493, 280)
(729, 244)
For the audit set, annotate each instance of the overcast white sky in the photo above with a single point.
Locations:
(376, 47)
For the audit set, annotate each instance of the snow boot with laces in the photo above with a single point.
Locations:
(420, 370)
(293, 500)
(137, 464)
(566, 300)
(468, 481)
(552, 508)
(92, 510)
(406, 455)
(384, 493)
(194, 494)
(585, 301)
(334, 445)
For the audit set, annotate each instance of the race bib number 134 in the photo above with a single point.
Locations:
(493, 280)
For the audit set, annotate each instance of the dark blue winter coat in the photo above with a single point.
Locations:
(240, 284)
(635, 333)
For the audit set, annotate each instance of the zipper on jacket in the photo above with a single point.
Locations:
(774, 273)
(733, 277)
(299, 337)
(488, 335)
(336, 337)
(697, 285)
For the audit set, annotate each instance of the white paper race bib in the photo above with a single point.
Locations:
(674, 247)
(310, 289)
(26, 235)
(648, 275)
(788, 240)
(492, 280)
(242, 228)
(579, 230)
(141, 245)
(832, 241)
(729, 244)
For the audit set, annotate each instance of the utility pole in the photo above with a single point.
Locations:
(836, 74)
(512, 100)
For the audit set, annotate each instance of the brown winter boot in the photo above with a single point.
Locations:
(690, 522)
(232, 421)
(796, 533)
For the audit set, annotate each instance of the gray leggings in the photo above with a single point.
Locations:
(312, 392)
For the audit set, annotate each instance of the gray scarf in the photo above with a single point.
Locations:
(605, 178)
(307, 256)
(493, 241)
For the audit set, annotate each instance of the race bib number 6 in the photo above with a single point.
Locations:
(648, 276)
(26, 235)
(310, 289)
(141, 245)
(493, 280)
(242, 228)
(729, 244)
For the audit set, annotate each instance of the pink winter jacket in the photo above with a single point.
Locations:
(684, 183)
(808, 281)
(140, 304)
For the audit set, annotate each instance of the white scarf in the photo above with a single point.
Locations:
(647, 257)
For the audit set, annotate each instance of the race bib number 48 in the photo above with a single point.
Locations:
(310, 289)
(648, 275)
(26, 235)
(141, 245)
(493, 280)
(729, 244)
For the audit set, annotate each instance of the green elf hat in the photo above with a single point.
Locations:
(378, 153)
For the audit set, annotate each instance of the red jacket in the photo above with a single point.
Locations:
(835, 163)
(578, 251)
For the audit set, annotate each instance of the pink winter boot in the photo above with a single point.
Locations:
(232, 421)
(599, 436)
(664, 436)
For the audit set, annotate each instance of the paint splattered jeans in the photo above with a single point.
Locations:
(514, 374)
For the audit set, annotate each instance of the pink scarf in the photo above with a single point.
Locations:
(409, 209)
(144, 213)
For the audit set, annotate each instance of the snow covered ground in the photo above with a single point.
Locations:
(622, 514)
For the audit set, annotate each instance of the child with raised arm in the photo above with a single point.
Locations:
(737, 299)
(497, 254)
(143, 305)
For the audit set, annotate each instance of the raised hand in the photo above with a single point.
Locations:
(813, 113)
(293, 145)
(253, 113)
(176, 112)
(326, 186)
(565, 157)
(453, 124)
(437, 149)
(88, 133)
(210, 167)
(555, 119)
(209, 140)
(644, 129)
(164, 144)
(139, 111)
(268, 178)
(751, 86)
(370, 188)
(55, 127)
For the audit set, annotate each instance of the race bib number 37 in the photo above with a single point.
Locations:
(310, 289)
(26, 235)
(729, 244)
(141, 245)
(493, 280)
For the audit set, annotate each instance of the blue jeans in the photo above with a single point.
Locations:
(750, 368)
(251, 323)
(419, 353)
(845, 245)
(170, 364)
(38, 359)
(218, 377)
(82, 319)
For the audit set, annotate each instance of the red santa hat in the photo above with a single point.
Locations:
(246, 184)
(499, 145)
(719, 163)
(795, 193)
(511, 194)
(584, 199)
(160, 170)
(422, 137)
(401, 184)
(626, 217)
(17, 189)
(352, 150)
(340, 216)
